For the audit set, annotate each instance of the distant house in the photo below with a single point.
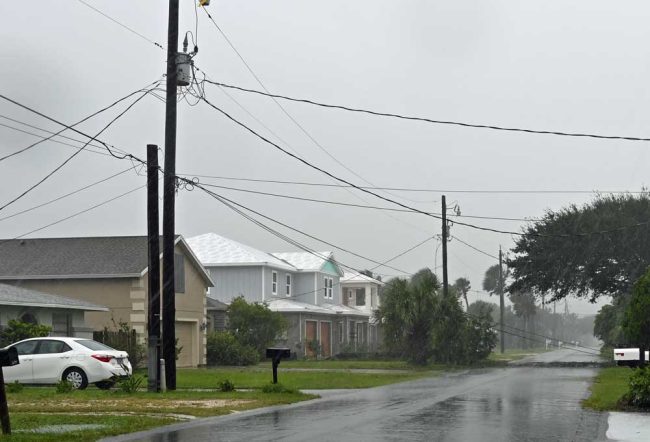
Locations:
(66, 316)
(304, 287)
(363, 293)
(216, 315)
(111, 271)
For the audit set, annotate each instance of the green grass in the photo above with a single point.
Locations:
(257, 377)
(514, 354)
(608, 388)
(22, 423)
(344, 365)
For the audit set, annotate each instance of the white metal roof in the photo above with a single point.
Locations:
(214, 250)
(304, 260)
(358, 277)
(289, 306)
(346, 310)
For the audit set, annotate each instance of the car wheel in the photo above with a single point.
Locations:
(76, 377)
(104, 385)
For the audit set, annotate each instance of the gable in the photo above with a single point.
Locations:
(331, 268)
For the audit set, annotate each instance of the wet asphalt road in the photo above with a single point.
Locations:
(501, 404)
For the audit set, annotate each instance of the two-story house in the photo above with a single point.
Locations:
(304, 287)
(363, 293)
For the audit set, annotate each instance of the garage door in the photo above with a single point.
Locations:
(185, 334)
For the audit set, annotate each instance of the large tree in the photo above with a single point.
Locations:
(600, 248)
(253, 324)
(407, 311)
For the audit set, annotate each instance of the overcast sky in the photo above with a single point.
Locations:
(577, 66)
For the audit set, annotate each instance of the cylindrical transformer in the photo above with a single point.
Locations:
(183, 69)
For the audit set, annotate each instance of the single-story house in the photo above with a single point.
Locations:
(112, 271)
(216, 315)
(66, 316)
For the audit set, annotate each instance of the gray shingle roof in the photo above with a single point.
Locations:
(91, 256)
(12, 295)
(88, 257)
(215, 304)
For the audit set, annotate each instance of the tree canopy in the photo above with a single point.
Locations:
(636, 320)
(253, 324)
(597, 249)
(463, 286)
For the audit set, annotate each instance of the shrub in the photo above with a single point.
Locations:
(64, 386)
(130, 384)
(224, 349)
(278, 388)
(253, 324)
(638, 393)
(18, 330)
(122, 337)
(16, 387)
(226, 385)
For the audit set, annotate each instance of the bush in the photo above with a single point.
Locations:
(277, 388)
(64, 386)
(18, 330)
(130, 384)
(16, 387)
(122, 337)
(638, 394)
(226, 386)
(224, 349)
(254, 325)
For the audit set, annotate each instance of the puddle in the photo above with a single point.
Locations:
(58, 429)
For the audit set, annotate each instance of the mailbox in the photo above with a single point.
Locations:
(276, 354)
(280, 353)
(8, 357)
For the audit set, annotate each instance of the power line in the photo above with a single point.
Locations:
(429, 120)
(284, 110)
(158, 45)
(67, 194)
(29, 189)
(74, 214)
(473, 226)
(474, 248)
(410, 189)
(67, 127)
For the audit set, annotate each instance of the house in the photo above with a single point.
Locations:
(66, 316)
(216, 315)
(111, 271)
(363, 293)
(302, 286)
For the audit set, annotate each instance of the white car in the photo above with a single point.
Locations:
(78, 361)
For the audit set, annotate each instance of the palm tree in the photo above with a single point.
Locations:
(463, 286)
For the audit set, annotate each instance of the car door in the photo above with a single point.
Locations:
(49, 361)
(23, 371)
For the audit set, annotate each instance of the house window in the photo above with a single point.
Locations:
(179, 273)
(360, 297)
(274, 283)
(288, 290)
(328, 292)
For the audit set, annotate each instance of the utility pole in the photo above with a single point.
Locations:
(445, 282)
(169, 195)
(501, 306)
(153, 234)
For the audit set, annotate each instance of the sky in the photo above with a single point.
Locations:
(562, 66)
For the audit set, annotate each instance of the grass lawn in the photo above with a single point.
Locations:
(332, 364)
(608, 387)
(514, 354)
(258, 376)
(120, 413)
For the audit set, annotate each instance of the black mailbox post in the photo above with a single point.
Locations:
(8, 358)
(276, 354)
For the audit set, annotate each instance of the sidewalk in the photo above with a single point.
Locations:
(628, 427)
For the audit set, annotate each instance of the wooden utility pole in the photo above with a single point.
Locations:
(169, 195)
(445, 282)
(153, 320)
(501, 305)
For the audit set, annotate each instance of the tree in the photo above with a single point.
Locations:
(18, 330)
(253, 324)
(597, 249)
(407, 314)
(636, 322)
(484, 309)
(524, 306)
(463, 286)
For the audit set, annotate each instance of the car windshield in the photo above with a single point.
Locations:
(93, 345)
